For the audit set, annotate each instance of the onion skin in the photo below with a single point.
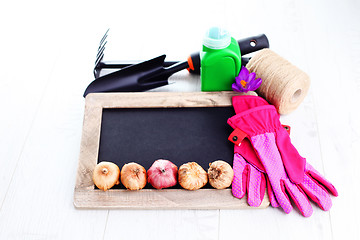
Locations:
(162, 174)
(133, 176)
(106, 175)
(192, 176)
(220, 174)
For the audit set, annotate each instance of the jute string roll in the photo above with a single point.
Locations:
(283, 84)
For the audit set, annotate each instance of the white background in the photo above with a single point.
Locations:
(46, 60)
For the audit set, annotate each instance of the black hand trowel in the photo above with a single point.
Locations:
(136, 78)
(152, 73)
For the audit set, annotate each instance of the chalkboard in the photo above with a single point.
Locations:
(180, 135)
(142, 127)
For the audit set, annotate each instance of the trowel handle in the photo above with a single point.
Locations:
(253, 44)
(247, 45)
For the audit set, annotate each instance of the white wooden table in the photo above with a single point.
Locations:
(47, 54)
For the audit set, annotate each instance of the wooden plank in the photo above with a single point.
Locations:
(164, 224)
(297, 45)
(161, 199)
(328, 36)
(337, 110)
(305, 138)
(85, 196)
(15, 87)
(39, 200)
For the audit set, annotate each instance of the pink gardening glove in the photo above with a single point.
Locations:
(249, 173)
(289, 174)
(248, 179)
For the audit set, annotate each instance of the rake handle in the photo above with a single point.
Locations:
(122, 64)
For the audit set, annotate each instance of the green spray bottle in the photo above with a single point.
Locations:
(220, 60)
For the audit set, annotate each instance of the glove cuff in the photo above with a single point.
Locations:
(256, 121)
(246, 102)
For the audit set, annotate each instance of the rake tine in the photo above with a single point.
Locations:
(103, 38)
(100, 54)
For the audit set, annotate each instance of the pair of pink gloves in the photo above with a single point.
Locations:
(264, 156)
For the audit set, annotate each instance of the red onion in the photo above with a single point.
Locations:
(162, 174)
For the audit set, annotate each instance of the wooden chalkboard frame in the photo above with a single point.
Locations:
(85, 194)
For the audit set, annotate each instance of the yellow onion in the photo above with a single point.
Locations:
(162, 174)
(220, 174)
(106, 175)
(192, 176)
(133, 176)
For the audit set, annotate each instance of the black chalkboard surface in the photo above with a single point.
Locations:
(180, 135)
(142, 127)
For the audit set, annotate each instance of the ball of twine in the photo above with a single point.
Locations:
(283, 84)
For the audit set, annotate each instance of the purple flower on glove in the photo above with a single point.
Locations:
(246, 81)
